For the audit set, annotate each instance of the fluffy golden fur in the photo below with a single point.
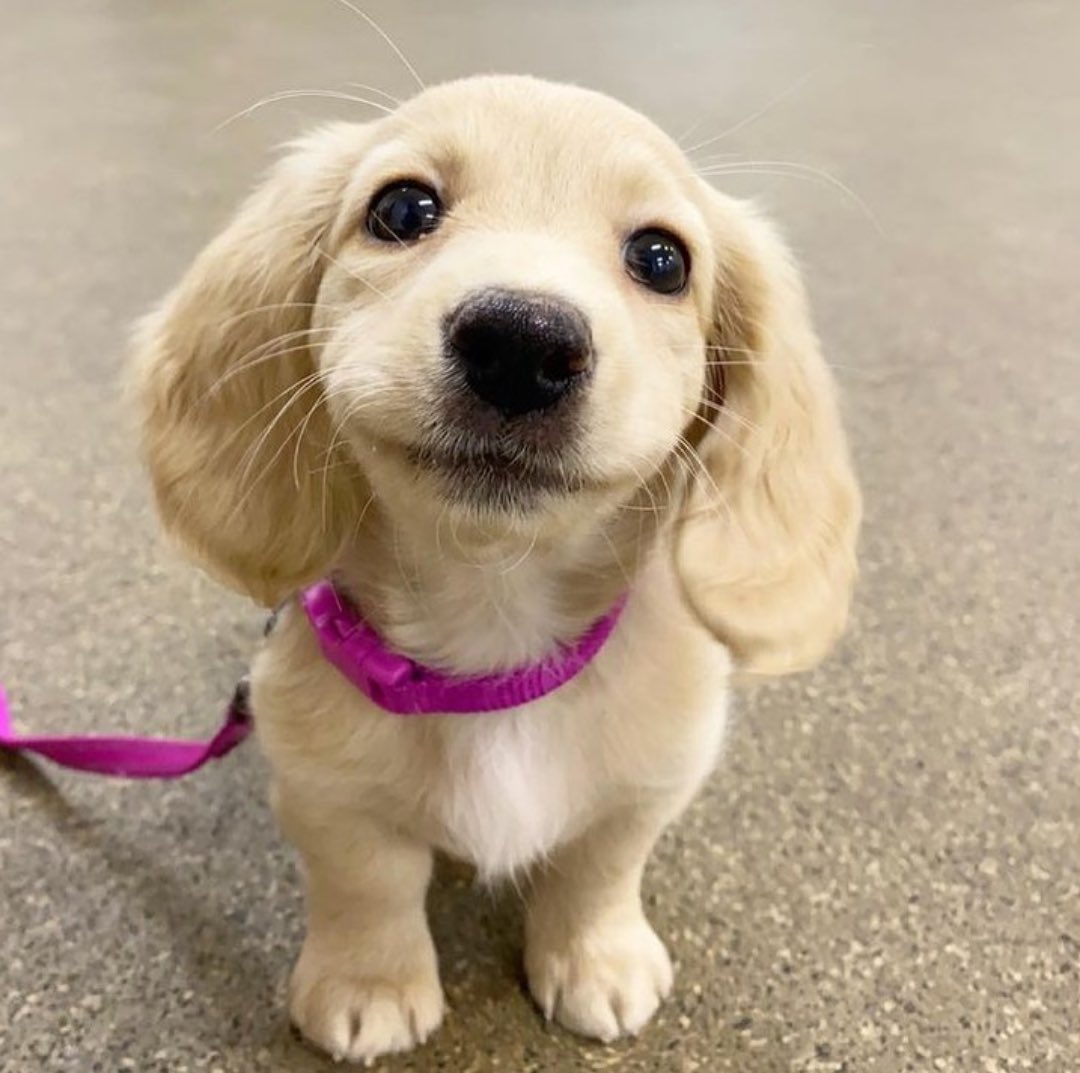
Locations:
(284, 385)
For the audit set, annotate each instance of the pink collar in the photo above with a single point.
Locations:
(400, 685)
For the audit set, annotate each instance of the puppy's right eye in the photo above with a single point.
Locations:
(404, 211)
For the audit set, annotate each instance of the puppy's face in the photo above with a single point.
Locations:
(509, 300)
(513, 310)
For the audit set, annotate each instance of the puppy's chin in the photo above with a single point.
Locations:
(479, 488)
(492, 481)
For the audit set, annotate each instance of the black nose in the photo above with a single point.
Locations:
(519, 352)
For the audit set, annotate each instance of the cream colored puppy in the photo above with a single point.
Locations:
(492, 363)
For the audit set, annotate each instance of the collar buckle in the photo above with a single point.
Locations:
(380, 666)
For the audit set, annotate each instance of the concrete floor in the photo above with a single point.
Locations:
(885, 873)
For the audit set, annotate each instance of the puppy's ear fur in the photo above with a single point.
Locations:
(766, 549)
(235, 431)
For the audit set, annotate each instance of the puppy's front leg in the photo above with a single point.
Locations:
(593, 961)
(367, 980)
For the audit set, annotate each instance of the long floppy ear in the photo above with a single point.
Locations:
(766, 548)
(235, 431)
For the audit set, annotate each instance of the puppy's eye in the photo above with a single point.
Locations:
(657, 260)
(404, 211)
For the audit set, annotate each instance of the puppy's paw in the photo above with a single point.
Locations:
(357, 1015)
(603, 982)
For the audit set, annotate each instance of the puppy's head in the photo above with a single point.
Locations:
(515, 302)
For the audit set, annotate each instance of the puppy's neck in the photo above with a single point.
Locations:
(470, 606)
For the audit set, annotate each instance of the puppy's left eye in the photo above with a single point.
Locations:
(404, 211)
(657, 260)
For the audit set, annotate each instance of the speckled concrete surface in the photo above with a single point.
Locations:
(885, 874)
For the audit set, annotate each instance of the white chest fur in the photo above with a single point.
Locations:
(510, 789)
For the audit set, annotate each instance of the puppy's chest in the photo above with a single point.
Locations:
(511, 786)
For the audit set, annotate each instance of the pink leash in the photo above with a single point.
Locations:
(137, 758)
(134, 758)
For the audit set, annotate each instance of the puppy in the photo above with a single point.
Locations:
(494, 364)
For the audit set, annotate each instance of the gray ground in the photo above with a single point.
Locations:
(885, 874)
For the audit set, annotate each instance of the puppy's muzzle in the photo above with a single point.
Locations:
(519, 352)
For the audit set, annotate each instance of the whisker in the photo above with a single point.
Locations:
(345, 268)
(669, 495)
(644, 486)
(720, 501)
(704, 346)
(386, 37)
(782, 96)
(303, 382)
(375, 89)
(617, 557)
(253, 452)
(438, 530)
(717, 429)
(522, 558)
(338, 429)
(685, 454)
(765, 363)
(294, 391)
(302, 428)
(724, 409)
(793, 169)
(249, 361)
(763, 110)
(688, 131)
(250, 312)
(234, 433)
(360, 518)
(410, 583)
(292, 94)
(717, 158)
(302, 386)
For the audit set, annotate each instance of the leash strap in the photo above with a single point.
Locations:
(135, 758)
